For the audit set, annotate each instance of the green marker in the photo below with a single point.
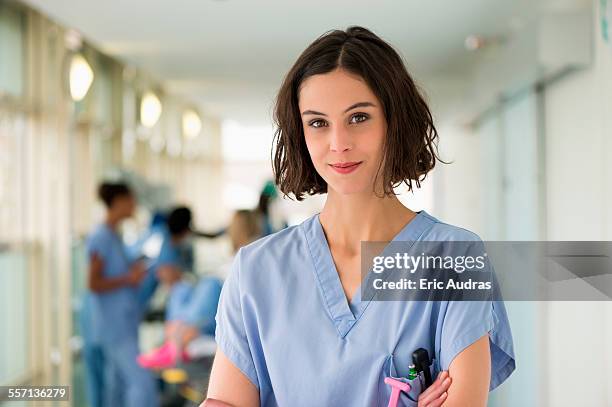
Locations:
(412, 373)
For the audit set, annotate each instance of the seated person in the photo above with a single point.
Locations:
(167, 242)
(191, 310)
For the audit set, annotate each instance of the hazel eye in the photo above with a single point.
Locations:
(317, 123)
(358, 118)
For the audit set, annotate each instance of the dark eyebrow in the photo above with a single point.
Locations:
(356, 105)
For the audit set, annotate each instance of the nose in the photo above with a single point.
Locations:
(340, 140)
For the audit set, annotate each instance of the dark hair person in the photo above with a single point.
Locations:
(293, 325)
(114, 311)
(179, 221)
(110, 192)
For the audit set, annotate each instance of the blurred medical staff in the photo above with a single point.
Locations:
(148, 247)
(191, 308)
(115, 309)
(93, 357)
(272, 220)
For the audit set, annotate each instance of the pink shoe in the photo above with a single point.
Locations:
(162, 352)
(162, 357)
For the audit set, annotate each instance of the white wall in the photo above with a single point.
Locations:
(457, 188)
(579, 190)
(564, 349)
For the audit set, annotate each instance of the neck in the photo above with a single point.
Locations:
(349, 219)
(112, 220)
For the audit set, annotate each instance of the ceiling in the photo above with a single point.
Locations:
(229, 56)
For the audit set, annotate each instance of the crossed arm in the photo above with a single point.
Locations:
(465, 384)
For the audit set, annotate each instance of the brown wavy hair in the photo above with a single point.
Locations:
(410, 147)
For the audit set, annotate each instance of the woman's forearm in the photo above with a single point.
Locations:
(103, 284)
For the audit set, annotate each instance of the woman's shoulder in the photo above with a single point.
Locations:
(99, 234)
(442, 231)
(276, 245)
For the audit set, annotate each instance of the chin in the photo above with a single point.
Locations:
(349, 188)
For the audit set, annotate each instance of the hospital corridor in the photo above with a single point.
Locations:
(193, 195)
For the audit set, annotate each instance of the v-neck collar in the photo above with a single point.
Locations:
(343, 314)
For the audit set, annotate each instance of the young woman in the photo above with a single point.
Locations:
(292, 328)
(115, 308)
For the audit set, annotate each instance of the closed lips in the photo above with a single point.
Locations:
(345, 165)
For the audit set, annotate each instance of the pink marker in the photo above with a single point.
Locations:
(396, 387)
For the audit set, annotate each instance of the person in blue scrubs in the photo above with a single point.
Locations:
(147, 248)
(190, 313)
(191, 309)
(292, 326)
(92, 354)
(115, 309)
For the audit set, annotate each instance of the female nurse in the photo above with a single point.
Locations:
(115, 309)
(292, 327)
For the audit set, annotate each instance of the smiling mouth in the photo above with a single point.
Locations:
(345, 168)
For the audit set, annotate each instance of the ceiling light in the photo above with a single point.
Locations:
(474, 42)
(80, 78)
(150, 109)
(192, 124)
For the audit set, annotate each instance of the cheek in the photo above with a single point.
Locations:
(373, 144)
(316, 148)
(378, 137)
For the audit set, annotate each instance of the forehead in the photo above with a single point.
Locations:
(333, 92)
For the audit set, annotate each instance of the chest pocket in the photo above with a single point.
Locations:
(409, 399)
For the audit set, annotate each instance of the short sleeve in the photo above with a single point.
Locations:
(99, 245)
(230, 333)
(464, 322)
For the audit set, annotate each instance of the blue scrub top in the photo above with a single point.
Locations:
(168, 253)
(178, 255)
(175, 254)
(115, 314)
(285, 322)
